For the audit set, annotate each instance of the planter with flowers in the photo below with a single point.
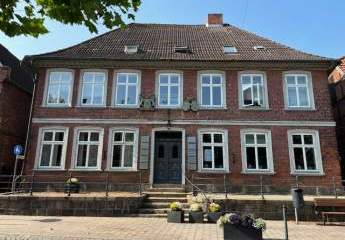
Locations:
(72, 185)
(176, 214)
(244, 228)
(196, 214)
(214, 212)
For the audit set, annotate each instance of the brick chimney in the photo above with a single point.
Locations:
(214, 20)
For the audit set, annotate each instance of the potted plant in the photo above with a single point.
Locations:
(176, 214)
(195, 213)
(246, 228)
(72, 185)
(214, 212)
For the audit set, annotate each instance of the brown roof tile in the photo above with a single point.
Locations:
(157, 42)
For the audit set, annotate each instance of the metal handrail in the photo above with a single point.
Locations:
(199, 189)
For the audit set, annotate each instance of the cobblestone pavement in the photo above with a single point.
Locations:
(89, 228)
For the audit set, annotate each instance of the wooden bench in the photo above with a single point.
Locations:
(329, 203)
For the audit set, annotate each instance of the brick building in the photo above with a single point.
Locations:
(15, 100)
(177, 101)
(337, 86)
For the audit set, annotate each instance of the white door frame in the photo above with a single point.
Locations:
(152, 164)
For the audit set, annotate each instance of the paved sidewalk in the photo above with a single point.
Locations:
(87, 228)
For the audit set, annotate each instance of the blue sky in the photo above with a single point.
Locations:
(314, 26)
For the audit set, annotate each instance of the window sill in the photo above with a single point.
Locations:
(254, 109)
(121, 170)
(85, 170)
(168, 107)
(91, 106)
(62, 106)
(311, 174)
(258, 172)
(201, 108)
(214, 171)
(125, 106)
(300, 109)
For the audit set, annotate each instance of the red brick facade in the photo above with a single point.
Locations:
(322, 115)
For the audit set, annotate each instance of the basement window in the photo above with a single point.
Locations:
(131, 49)
(182, 49)
(230, 49)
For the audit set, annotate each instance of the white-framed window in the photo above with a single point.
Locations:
(253, 90)
(256, 145)
(213, 150)
(51, 150)
(59, 88)
(88, 148)
(169, 89)
(93, 88)
(127, 89)
(212, 90)
(298, 91)
(304, 151)
(123, 149)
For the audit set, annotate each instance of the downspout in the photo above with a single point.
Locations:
(30, 120)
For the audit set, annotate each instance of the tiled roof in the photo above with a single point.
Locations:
(157, 42)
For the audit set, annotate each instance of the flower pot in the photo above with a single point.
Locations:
(176, 216)
(234, 232)
(212, 217)
(72, 187)
(196, 217)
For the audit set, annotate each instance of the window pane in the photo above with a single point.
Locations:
(117, 153)
(308, 139)
(301, 80)
(81, 158)
(303, 96)
(310, 155)
(292, 96)
(206, 96)
(88, 77)
(121, 94)
(121, 78)
(128, 161)
(132, 95)
(247, 95)
(261, 139)
(206, 138)
(83, 136)
(93, 156)
(57, 152)
(261, 95)
(246, 80)
(59, 136)
(217, 96)
(45, 156)
(174, 79)
(290, 80)
(87, 93)
(132, 78)
(296, 139)
(218, 157)
(53, 94)
(129, 137)
(163, 79)
(298, 154)
(216, 80)
(175, 151)
(66, 77)
(118, 137)
(262, 158)
(54, 77)
(174, 95)
(48, 136)
(257, 80)
(99, 78)
(98, 94)
(207, 154)
(64, 93)
(163, 95)
(94, 136)
(218, 138)
(205, 79)
(250, 138)
(250, 151)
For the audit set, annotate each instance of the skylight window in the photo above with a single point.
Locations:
(259, 47)
(131, 49)
(182, 49)
(230, 49)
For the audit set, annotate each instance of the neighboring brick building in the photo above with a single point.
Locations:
(337, 86)
(171, 101)
(15, 100)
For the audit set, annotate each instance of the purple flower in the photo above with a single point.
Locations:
(235, 219)
(247, 221)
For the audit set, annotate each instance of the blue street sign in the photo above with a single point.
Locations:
(18, 149)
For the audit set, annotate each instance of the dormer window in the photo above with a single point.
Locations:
(259, 47)
(230, 49)
(131, 49)
(182, 49)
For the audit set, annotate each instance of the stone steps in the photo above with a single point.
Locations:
(166, 199)
(166, 194)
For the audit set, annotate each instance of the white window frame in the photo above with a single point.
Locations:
(317, 152)
(269, 153)
(252, 74)
(309, 86)
(81, 88)
(77, 130)
(115, 89)
(222, 85)
(112, 143)
(45, 102)
(169, 85)
(40, 143)
(225, 145)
